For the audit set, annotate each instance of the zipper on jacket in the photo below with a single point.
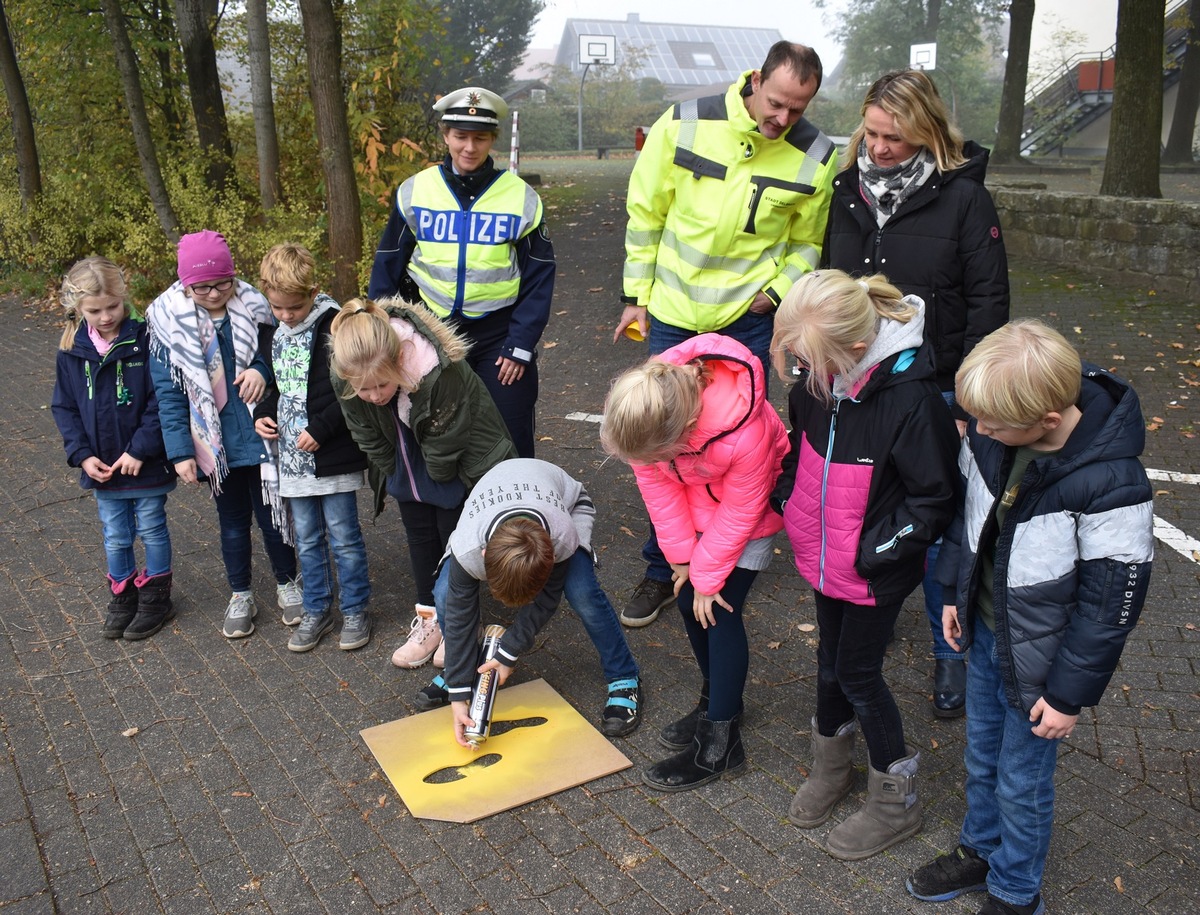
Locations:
(891, 544)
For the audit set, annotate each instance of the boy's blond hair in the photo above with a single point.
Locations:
(288, 269)
(1018, 374)
(518, 560)
(650, 409)
(91, 277)
(824, 314)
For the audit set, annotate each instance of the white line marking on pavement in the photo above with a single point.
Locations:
(1170, 476)
(586, 417)
(1181, 543)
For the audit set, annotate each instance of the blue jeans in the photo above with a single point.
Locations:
(336, 514)
(240, 499)
(850, 683)
(591, 605)
(933, 589)
(751, 330)
(122, 520)
(1010, 781)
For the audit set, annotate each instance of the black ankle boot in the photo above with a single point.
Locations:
(678, 734)
(155, 608)
(122, 607)
(716, 750)
(949, 688)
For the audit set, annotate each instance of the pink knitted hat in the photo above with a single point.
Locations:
(204, 256)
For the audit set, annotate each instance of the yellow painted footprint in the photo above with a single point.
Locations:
(456, 773)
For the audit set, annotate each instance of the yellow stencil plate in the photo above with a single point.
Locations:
(546, 747)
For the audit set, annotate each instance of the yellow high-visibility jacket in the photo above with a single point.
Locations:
(719, 213)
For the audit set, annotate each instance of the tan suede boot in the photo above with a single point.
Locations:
(829, 779)
(892, 813)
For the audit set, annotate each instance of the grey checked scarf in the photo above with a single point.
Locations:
(884, 189)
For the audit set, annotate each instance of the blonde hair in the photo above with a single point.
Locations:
(364, 346)
(92, 276)
(288, 269)
(824, 314)
(650, 409)
(1018, 374)
(518, 560)
(921, 117)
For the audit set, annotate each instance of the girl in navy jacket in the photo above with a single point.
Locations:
(105, 408)
(868, 485)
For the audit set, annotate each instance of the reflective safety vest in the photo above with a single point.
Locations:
(465, 261)
(719, 213)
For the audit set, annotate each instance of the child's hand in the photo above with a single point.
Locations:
(702, 608)
(97, 469)
(306, 442)
(1054, 725)
(462, 721)
(503, 670)
(680, 574)
(510, 371)
(128, 465)
(951, 630)
(251, 385)
(266, 428)
(187, 471)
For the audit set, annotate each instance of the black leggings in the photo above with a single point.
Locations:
(721, 650)
(427, 529)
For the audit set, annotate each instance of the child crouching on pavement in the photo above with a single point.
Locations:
(1051, 555)
(526, 529)
(320, 466)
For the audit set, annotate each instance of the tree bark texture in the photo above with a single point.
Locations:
(1016, 76)
(263, 102)
(1187, 100)
(135, 102)
(29, 171)
(1135, 134)
(322, 39)
(195, 19)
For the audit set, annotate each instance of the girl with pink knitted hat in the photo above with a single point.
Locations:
(209, 373)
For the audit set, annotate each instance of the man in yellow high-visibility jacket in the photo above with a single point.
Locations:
(727, 208)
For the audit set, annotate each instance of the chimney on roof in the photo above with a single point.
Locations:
(633, 18)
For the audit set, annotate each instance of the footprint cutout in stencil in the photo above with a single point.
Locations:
(456, 773)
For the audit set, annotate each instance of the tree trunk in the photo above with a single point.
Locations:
(933, 19)
(1135, 134)
(323, 42)
(1183, 121)
(195, 19)
(29, 170)
(135, 102)
(1016, 74)
(161, 19)
(263, 102)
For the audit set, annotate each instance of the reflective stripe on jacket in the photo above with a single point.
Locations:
(719, 213)
(465, 260)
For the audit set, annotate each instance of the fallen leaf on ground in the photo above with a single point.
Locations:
(129, 732)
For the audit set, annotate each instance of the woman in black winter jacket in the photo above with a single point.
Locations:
(910, 204)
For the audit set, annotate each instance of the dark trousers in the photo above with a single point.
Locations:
(517, 402)
(427, 529)
(241, 499)
(853, 639)
(721, 651)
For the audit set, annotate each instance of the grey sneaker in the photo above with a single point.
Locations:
(648, 599)
(356, 631)
(239, 615)
(312, 627)
(290, 597)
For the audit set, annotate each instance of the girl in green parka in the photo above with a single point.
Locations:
(429, 429)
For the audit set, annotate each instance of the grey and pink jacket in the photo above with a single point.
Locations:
(870, 480)
(721, 485)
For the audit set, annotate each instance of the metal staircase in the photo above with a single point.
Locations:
(1061, 105)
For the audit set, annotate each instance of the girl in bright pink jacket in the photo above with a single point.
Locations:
(706, 448)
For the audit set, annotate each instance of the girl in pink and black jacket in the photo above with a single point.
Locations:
(706, 448)
(869, 483)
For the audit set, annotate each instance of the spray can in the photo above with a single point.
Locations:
(483, 695)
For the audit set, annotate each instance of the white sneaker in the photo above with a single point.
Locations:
(290, 598)
(423, 639)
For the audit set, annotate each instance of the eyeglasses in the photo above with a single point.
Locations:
(206, 288)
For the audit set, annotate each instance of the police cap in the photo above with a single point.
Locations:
(471, 108)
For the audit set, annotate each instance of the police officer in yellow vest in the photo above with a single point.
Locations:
(727, 208)
(470, 240)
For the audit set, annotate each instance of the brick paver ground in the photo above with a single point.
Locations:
(246, 787)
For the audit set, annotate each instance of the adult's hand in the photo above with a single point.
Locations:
(633, 314)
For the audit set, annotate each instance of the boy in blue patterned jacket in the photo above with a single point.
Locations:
(1051, 555)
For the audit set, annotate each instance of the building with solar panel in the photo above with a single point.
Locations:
(689, 60)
